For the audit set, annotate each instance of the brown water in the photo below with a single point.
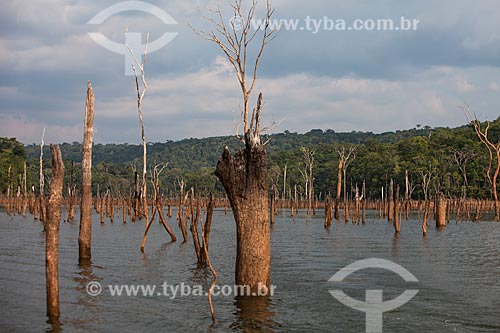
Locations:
(458, 271)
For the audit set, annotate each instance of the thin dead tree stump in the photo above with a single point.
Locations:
(85, 234)
(396, 216)
(441, 210)
(72, 194)
(51, 226)
(156, 206)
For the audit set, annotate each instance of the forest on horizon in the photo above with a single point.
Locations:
(378, 158)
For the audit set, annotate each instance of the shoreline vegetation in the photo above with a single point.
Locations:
(444, 175)
(452, 161)
(425, 163)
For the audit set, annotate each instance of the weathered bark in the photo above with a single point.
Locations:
(43, 208)
(180, 214)
(194, 224)
(441, 211)
(397, 222)
(273, 206)
(72, 194)
(390, 211)
(51, 226)
(346, 211)
(85, 235)
(244, 177)
(111, 207)
(339, 190)
(205, 257)
(426, 217)
(103, 208)
(357, 206)
(8, 205)
(328, 212)
(208, 222)
(363, 204)
(124, 210)
(163, 221)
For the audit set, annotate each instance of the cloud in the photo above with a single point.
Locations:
(369, 80)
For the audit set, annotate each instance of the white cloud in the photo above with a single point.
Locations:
(360, 81)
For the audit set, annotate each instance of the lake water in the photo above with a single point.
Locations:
(458, 269)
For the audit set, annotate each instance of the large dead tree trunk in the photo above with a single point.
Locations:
(244, 177)
(51, 226)
(440, 211)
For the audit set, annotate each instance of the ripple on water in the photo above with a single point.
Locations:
(458, 270)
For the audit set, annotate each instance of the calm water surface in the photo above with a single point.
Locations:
(458, 271)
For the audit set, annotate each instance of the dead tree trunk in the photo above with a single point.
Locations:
(426, 216)
(51, 226)
(390, 211)
(494, 154)
(397, 221)
(328, 212)
(85, 236)
(339, 189)
(43, 208)
(206, 230)
(180, 215)
(8, 204)
(244, 177)
(440, 211)
(195, 216)
(72, 194)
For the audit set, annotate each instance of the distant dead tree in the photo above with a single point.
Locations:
(462, 158)
(346, 156)
(244, 175)
(141, 92)
(492, 172)
(156, 206)
(283, 197)
(41, 203)
(427, 178)
(307, 174)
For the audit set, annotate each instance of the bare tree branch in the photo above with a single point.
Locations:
(234, 41)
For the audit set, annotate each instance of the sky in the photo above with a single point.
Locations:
(312, 77)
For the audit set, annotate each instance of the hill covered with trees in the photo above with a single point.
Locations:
(436, 152)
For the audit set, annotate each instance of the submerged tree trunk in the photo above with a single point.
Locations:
(51, 226)
(85, 236)
(397, 222)
(244, 177)
(390, 202)
(427, 208)
(440, 211)
(72, 194)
